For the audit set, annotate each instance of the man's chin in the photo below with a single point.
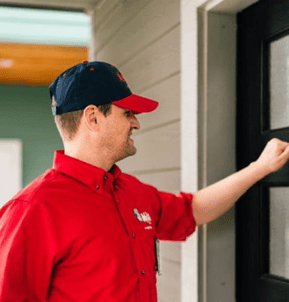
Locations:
(128, 153)
(132, 152)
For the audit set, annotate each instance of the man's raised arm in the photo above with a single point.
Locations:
(215, 200)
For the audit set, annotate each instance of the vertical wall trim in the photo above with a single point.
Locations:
(194, 89)
(189, 140)
(92, 45)
(205, 147)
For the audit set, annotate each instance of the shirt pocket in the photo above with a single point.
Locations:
(147, 239)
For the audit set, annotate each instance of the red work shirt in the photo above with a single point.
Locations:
(81, 234)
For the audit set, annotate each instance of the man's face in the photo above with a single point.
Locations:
(116, 129)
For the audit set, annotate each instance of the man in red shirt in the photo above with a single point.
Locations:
(85, 231)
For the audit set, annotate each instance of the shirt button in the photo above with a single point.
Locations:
(143, 272)
(105, 177)
(133, 235)
(115, 186)
(97, 187)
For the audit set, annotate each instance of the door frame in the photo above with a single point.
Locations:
(195, 137)
(266, 24)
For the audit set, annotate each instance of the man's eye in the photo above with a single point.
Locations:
(128, 113)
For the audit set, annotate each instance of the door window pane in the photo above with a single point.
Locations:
(279, 83)
(279, 231)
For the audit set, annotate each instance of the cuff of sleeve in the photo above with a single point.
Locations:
(188, 197)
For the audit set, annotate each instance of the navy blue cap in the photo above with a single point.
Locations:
(95, 83)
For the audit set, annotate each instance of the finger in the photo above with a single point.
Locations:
(285, 154)
(281, 144)
(284, 146)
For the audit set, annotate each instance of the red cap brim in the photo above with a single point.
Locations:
(136, 104)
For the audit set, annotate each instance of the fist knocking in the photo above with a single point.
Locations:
(274, 156)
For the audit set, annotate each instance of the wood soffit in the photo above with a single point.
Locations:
(37, 65)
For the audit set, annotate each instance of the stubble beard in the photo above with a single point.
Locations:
(130, 149)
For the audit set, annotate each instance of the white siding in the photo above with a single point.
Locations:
(142, 39)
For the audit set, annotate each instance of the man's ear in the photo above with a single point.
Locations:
(91, 117)
(53, 102)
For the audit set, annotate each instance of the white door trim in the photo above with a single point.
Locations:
(194, 85)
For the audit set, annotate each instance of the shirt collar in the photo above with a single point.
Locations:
(86, 173)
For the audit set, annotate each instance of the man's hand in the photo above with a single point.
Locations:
(274, 156)
(213, 201)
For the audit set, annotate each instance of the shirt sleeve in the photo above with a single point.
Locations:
(26, 253)
(175, 218)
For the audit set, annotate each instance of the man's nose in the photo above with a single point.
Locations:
(135, 123)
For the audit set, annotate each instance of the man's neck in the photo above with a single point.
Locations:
(89, 158)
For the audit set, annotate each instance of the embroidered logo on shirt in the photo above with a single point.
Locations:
(143, 217)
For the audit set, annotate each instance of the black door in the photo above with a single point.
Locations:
(262, 214)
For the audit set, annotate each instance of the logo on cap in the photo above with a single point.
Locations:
(120, 77)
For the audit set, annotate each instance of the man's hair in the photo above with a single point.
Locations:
(68, 123)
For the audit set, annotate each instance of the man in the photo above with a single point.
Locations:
(85, 231)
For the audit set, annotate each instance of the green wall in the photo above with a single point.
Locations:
(25, 113)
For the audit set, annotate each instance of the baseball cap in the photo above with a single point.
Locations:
(95, 83)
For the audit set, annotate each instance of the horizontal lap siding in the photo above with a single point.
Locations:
(157, 149)
(142, 39)
(135, 26)
(167, 92)
(169, 287)
(157, 62)
(163, 180)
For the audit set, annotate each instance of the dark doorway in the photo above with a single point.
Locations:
(262, 214)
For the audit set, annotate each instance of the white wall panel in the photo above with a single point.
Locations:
(167, 93)
(167, 180)
(104, 9)
(170, 251)
(169, 282)
(10, 169)
(112, 16)
(141, 31)
(151, 65)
